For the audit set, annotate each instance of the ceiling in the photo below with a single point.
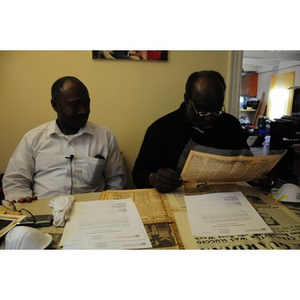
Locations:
(263, 61)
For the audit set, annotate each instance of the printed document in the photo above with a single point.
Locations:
(220, 214)
(205, 167)
(106, 224)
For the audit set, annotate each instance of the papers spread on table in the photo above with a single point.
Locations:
(107, 224)
(220, 214)
(7, 222)
(205, 167)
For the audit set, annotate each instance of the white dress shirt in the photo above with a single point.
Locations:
(41, 163)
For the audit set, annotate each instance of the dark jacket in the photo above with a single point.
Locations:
(167, 137)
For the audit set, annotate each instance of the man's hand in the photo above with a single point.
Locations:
(265, 183)
(165, 180)
(25, 199)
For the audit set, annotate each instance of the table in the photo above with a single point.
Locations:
(166, 220)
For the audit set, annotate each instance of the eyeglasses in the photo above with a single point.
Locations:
(207, 113)
(11, 206)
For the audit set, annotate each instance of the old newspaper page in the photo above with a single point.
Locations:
(159, 226)
(161, 230)
(205, 167)
(147, 201)
(284, 223)
(227, 213)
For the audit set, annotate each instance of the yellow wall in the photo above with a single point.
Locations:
(126, 96)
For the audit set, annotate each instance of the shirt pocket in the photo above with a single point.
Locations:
(92, 170)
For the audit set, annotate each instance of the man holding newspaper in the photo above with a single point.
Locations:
(199, 122)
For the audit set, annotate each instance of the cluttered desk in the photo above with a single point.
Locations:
(202, 214)
(167, 220)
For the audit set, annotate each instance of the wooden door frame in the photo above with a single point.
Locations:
(234, 84)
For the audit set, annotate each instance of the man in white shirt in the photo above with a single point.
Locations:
(67, 156)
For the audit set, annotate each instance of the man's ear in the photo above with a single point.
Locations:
(54, 104)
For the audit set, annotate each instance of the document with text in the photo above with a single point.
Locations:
(220, 214)
(205, 167)
(109, 224)
(148, 202)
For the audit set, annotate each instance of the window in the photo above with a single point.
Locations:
(280, 98)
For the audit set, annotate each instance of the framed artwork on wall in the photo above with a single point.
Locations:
(137, 55)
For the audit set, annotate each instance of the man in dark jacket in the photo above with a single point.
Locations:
(200, 120)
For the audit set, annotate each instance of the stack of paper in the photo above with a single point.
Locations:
(108, 224)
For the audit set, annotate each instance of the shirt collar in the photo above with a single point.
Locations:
(54, 129)
(198, 129)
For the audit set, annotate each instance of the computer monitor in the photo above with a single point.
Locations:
(296, 101)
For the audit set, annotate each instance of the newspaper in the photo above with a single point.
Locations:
(286, 233)
(159, 226)
(166, 221)
(228, 213)
(111, 224)
(147, 201)
(206, 167)
(284, 223)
